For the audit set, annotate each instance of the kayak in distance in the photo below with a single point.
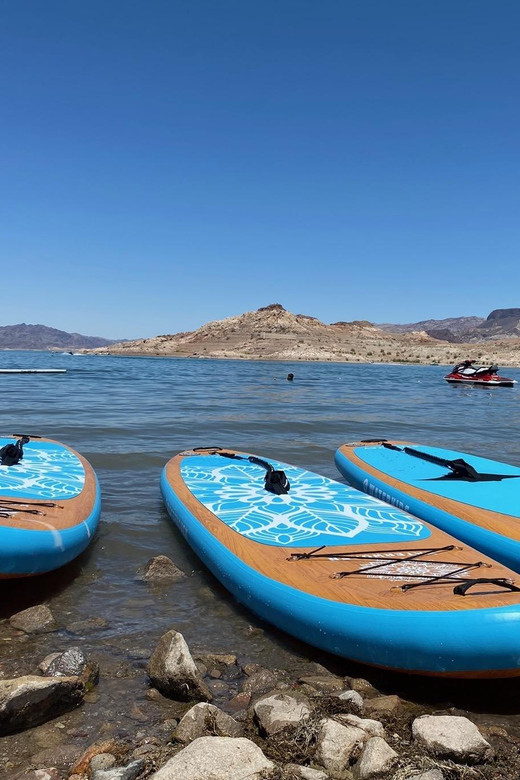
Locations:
(49, 505)
(466, 373)
(475, 499)
(342, 570)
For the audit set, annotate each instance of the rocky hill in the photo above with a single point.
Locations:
(273, 333)
(453, 326)
(24, 336)
(501, 324)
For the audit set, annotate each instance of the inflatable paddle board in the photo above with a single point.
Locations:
(49, 506)
(475, 499)
(33, 370)
(342, 570)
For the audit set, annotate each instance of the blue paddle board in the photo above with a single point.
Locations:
(49, 507)
(342, 570)
(474, 498)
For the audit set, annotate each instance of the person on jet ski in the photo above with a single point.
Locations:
(465, 367)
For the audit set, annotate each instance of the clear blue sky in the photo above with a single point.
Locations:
(169, 162)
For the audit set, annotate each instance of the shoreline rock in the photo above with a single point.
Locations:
(173, 671)
(306, 726)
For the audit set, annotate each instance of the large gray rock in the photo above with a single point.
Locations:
(216, 758)
(35, 620)
(44, 665)
(30, 700)
(261, 681)
(73, 663)
(279, 711)
(338, 746)
(362, 686)
(374, 728)
(382, 705)
(161, 570)
(353, 699)
(102, 761)
(128, 772)
(173, 672)
(324, 683)
(205, 719)
(451, 736)
(377, 760)
(306, 772)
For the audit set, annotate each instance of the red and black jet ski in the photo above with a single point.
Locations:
(466, 373)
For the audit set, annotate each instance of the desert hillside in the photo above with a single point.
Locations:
(273, 333)
(23, 336)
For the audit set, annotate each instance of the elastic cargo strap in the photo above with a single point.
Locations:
(275, 480)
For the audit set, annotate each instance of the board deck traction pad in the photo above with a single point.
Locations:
(316, 511)
(47, 471)
(501, 496)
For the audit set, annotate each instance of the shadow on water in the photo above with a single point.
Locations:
(24, 592)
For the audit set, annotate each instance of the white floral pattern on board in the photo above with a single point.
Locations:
(316, 511)
(47, 471)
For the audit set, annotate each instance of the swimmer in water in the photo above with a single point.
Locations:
(290, 377)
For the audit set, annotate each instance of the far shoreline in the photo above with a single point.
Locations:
(270, 359)
(259, 359)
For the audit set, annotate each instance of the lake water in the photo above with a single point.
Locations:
(128, 416)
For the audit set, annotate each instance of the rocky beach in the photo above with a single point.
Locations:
(205, 715)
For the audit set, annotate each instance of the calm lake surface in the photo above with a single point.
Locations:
(128, 416)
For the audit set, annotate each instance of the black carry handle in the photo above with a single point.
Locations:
(459, 466)
(460, 469)
(447, 464)
(462, 589)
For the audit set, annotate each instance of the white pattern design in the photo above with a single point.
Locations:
(47, 471)
(316, 510)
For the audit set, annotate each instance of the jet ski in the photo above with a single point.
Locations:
(466, 373)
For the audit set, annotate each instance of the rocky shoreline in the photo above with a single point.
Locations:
(216, 719)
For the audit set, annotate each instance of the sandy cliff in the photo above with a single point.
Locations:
(273, 333)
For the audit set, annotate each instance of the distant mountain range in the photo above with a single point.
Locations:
(499, 325)
(24, 336)
(273, 333)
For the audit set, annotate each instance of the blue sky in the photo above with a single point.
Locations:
(168, 162)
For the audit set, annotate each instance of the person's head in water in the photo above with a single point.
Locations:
(290, 377)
